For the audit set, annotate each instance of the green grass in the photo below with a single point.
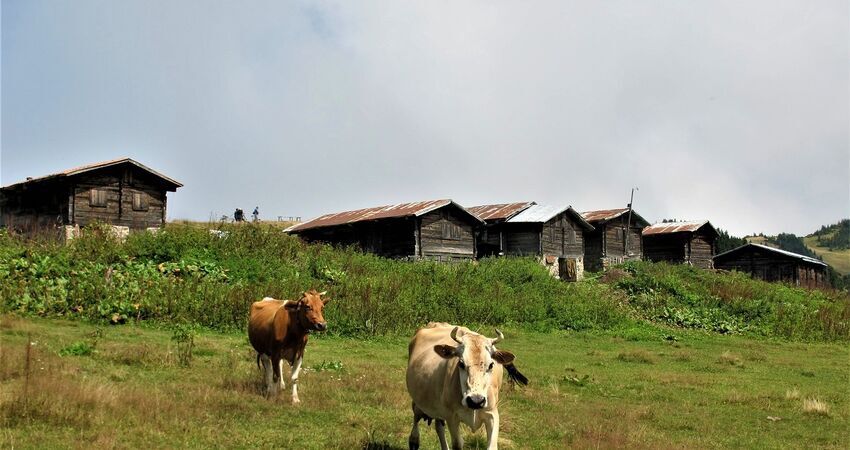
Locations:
(185, 275)
(626, 389)
(838, 259)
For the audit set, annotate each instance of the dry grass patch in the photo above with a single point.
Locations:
(637, 356)
(792, 394)
(815, 407)
(730, 359)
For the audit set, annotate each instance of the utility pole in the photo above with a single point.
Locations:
(629, 223)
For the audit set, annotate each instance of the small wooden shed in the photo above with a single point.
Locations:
(691, 243)
(491, 237)
(121, 192)
(438, 229)
(609, 243)
(554, 234)
(775, 265)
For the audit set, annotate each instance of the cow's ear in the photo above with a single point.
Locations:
(502, 357)
(325, 301)
(446, 351)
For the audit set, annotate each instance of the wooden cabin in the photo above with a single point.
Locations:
(609, 243)
(440, 229)
(554, 234)
(491, 237)
(775, 265)
(122, 192)
(691, 243)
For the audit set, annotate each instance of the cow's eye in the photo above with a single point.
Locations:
(461, 364)
(491, 367)
(307, 308)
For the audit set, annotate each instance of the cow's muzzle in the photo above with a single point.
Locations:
(321, 326)
(476, 401)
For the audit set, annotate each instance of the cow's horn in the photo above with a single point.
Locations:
(321, 294)
(454, 335)
(498, 338)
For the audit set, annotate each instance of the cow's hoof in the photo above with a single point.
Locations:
(295, 401)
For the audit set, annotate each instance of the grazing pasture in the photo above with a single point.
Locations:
(80, 384)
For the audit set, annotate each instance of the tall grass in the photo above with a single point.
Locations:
(184, 274)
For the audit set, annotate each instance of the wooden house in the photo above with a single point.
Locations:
(609, 243)
(775, 265)
(438, 229)
(691, 243)
(122, 192)
(491, 237)
(554, 234)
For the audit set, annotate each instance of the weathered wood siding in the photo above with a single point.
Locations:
(446, 234)
(701, 250)
(36, 209)
(772, 267)
(667, 247)
(488, 240)
(563, 237)
(119, 185)
(522, 239)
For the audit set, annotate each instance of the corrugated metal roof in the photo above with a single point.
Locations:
(604, 215)
(544, 213)
(99, 165)
(675, 227)
(501, 211)
(376, 213)
(776, 250)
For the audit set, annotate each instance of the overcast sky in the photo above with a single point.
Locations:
(731, 111)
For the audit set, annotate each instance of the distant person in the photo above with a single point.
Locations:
(256, 213)
(238, 215)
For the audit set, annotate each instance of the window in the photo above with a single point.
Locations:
(97, 198)
(140, 201)
(451, 231)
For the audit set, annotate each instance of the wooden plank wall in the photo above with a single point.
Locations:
(665, 248)
(119, 184)
(37, 209)
(522, 239)
(771, 267)
(563, 237)
(701, 251)
(435, 245)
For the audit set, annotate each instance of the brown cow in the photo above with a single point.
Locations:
(278, 331)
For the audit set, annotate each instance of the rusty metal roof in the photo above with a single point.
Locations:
(676, 227)
(376, 213)
(99, 165)
(544, 213)
(604, 215)
(501, 211)
(804, 258)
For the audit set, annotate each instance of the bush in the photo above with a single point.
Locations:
(184, 274)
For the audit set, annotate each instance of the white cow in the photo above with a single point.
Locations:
(453, 376)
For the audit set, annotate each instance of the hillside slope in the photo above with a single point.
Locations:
(838, 259)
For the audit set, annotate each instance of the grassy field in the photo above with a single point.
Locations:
(838, 259)
(124, 387)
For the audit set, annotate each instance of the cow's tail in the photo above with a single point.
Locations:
(258, 361)
(515, 375)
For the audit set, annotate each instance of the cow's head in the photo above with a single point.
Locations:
(309, 310)
(476, 357)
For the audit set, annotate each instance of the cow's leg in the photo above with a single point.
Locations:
(296, 369)
(492, 425)
(413, 440)
(275, 363)
(440, 426)
(282, 384)
(454, 431)
(267, 372)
